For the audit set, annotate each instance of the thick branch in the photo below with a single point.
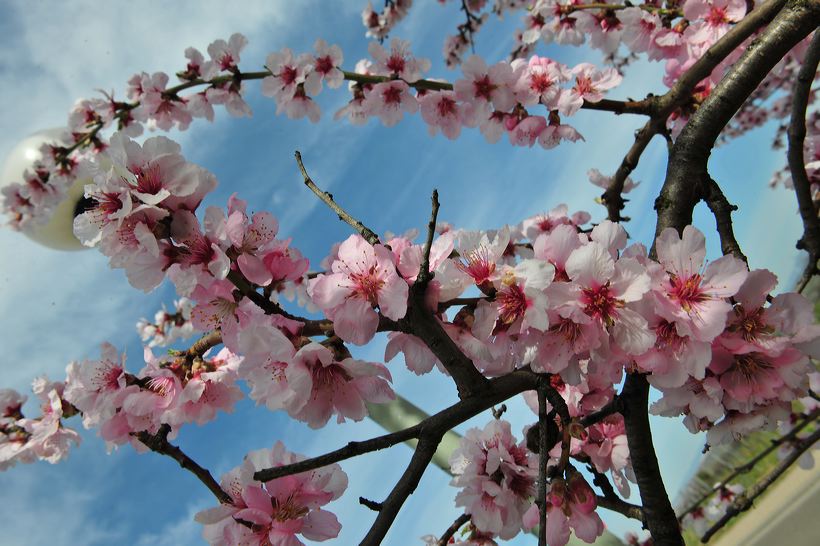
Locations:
(543, 457)
(797, 134)
(661, 107)
(744, 501)
(687, 166)
(660, 517)
(159, 443)
(421, 322)
(363, 230)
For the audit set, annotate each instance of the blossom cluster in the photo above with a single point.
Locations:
(274, 512)
(168, 328)
(24, 439)
(548, 294)
(494, 98)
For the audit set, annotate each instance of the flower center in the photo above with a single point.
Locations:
(512, 303)
(367, 285)
(687, 291)
(477, 264)
(483, 88)
(600, 304)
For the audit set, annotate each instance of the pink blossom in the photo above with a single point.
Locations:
(327, 62)
(497, 477)
(539, 80)
(484, 85)
(694, 300)
(527, 131)
(602, 181)
(520, 301)
(155, 106)
(250, 240)
(569, 506)
(363, 276)
(325, 386)
(279, 509)
(640, 28)
(442, 112)
(590, 85)
(225, 55)
(604, 288)
(398, 62)
(389, 101)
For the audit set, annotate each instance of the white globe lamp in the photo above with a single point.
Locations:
(58, 232)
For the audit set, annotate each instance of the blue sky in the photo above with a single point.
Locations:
(57, 307)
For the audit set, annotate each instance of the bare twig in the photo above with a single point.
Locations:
(363, 230)
(499, 390)
(373, 505)
(159, 443)
(810, 241)
(404, 488)
(425, 275)
(621, 506)
(744, 501)
(453, 529)
(722, 210)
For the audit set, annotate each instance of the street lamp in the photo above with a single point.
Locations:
(58, 232)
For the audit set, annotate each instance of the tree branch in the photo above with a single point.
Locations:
(660, 107)
(499, 390)
(159, 443)
(404, 488)
(453, 529)
(722, 210)
(621, 506)
(363, 230)
(687, 165)
(543, 457)
(660, 517)
(744, 501)
(425, 275)
(802, 186)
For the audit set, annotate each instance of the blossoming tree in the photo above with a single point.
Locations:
(559, 310)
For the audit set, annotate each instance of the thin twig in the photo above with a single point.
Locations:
(405, 487)
(159, 443)
(499, 390)
(810, 241)
(621, 506)
(425, 275)
(453, 529)
(744, 501)
(722, 210)
(363, 230)
(616, 405)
